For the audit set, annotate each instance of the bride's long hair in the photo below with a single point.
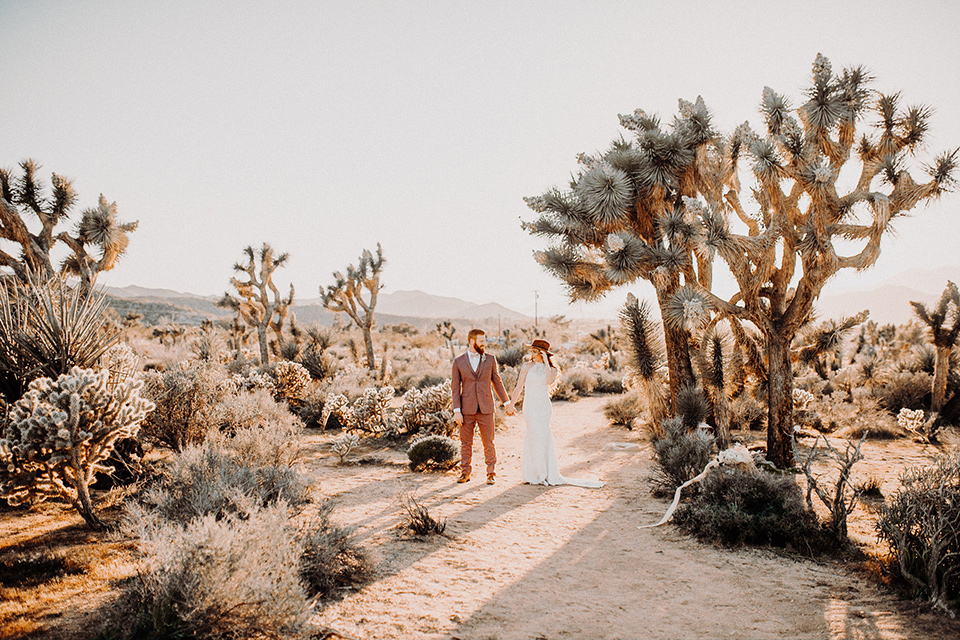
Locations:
(547, 358)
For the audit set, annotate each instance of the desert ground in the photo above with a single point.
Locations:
(522, 561)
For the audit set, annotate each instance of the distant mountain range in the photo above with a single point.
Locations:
(890, 302)
(413, 307)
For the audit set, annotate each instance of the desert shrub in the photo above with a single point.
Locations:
(331, 559)
(509, 376)
(310, 410)
(563, 389)
(734, 506)
(625, 410)
(681, 454)
(210, 479)
(319, 365)
(60, 433)
(257, 428)
(921, 523)
(186, 396)
(747, 413)
(608, 382)
(904, 389)
(431, 380)
(433, 450)
(511, 356)
(874, 430)
(583, 381)
(226, 577)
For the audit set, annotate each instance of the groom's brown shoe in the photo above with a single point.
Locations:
(464, 478)
(491, 478)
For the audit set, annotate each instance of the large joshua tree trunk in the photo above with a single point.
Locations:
(941, 373)
(677, 341)
(368, 343)
(780, 401)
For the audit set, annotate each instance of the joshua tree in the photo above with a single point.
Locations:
(98, 232)
(821, 345)
(447, 330)
(606, 338)
(661, 207)
(944, 336)
(255, 304)
(346, 295)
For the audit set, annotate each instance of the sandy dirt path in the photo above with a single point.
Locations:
(522, 561)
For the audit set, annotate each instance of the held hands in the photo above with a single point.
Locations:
(509, 409)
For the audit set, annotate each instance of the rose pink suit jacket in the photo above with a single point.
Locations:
(472, 390)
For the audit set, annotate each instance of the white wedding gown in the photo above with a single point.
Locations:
(540, 465)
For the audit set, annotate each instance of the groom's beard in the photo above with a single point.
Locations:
(478, 348)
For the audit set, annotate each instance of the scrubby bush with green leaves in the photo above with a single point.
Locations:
(681, 454)
(734, 506)
(433, 451)
(60, 433)
(921, 524)
(213, 479)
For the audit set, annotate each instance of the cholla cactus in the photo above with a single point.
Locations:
(60, 432)
(339, 406)
(801, 399)
(121, 362)
(344, 444)
(292, 380)
(371, 411)
(427, 411)
(912, 421)
(255, 380)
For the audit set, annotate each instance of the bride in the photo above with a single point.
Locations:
(540, 465)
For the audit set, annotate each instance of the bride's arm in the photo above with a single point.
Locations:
(515, 396)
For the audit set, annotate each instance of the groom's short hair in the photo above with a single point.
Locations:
(473, 333)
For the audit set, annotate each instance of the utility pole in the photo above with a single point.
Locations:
(536, 298)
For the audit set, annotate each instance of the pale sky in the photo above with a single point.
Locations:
(326, 127)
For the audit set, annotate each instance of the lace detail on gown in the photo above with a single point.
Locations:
(540, 465)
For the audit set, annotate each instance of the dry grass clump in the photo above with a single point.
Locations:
(418, 519)
(624, 411)
(331, 560)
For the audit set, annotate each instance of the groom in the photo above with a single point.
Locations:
(474, 375)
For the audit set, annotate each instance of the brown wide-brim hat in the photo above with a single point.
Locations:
(543, 345)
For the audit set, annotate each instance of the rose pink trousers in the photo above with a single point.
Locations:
(470, 422)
